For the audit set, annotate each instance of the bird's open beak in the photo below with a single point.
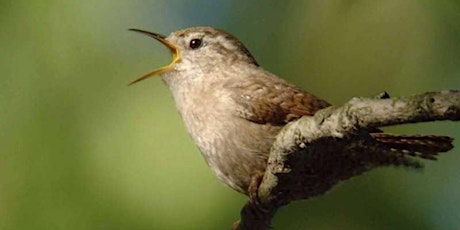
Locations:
(174, 50)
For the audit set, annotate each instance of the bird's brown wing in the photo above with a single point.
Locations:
(273, 101)
(276, 102)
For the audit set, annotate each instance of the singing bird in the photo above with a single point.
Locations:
(234, 109)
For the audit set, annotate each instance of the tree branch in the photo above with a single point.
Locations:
(313, 154)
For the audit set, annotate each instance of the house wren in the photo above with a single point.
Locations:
(233, 108)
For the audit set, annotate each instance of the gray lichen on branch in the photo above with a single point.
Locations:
(313, 154)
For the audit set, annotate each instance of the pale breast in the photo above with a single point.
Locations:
(233, 147)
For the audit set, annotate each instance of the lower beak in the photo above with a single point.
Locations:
(174, 50)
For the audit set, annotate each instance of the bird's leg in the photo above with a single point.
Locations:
(253, 189)
(255, 214)
(253, 192)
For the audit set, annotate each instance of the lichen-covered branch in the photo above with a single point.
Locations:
(313, 154)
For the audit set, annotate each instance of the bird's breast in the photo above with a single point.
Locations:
(232, 147)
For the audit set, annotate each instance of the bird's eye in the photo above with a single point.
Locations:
(195, 43)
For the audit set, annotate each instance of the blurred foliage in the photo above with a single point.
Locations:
(81, 150)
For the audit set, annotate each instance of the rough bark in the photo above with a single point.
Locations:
(303, 159)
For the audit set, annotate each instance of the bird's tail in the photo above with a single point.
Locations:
(422, 146)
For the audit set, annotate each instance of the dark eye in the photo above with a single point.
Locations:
(195, 43)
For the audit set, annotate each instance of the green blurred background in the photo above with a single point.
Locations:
(81, 150)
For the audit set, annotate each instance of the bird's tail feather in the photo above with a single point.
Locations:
(422, 146)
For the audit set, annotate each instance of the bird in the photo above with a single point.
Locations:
(233, 108)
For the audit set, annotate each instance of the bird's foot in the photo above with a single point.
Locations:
(253, 192)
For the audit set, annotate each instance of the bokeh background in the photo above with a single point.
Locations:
(81, 150)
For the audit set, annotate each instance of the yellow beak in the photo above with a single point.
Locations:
(174, 50)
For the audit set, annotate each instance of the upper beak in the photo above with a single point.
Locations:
(174, 50)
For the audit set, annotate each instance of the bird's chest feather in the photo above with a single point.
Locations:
(207, 115)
